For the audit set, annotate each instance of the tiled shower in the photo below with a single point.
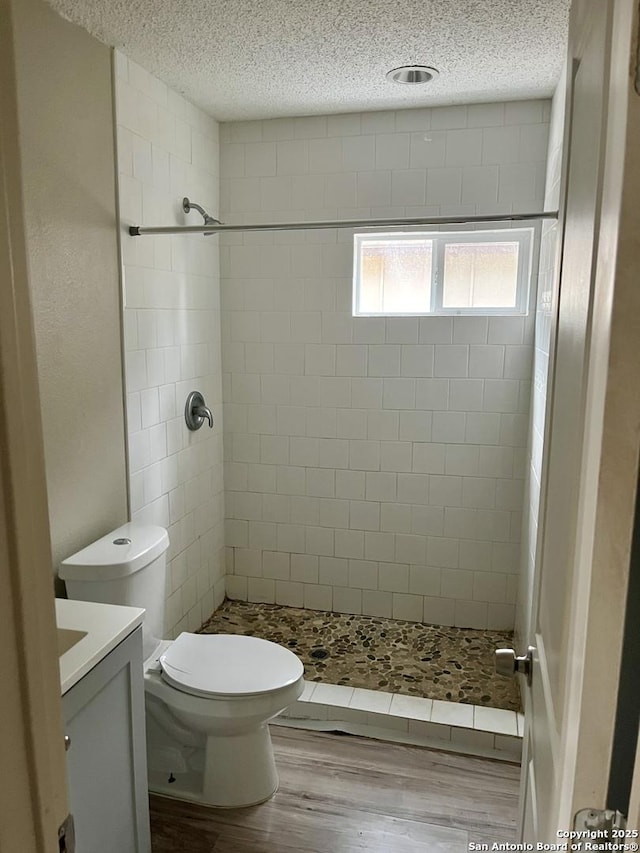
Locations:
(372, 466)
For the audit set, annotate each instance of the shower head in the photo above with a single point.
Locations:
(187, 206)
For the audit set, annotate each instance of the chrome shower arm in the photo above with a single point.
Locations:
(188, 206)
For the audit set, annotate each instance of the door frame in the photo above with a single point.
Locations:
(612, 437)
(599, 563)
(34, 800)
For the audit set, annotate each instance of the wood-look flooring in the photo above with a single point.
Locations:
(341, 794)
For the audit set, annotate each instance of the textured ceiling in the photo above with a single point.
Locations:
(241, 59)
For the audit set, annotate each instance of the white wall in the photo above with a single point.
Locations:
(68, 161)
(372, 465)
(167, 148)
(547, 278)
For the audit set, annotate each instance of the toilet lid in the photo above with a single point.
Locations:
(228, 665)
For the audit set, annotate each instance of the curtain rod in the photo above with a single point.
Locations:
(141, 230)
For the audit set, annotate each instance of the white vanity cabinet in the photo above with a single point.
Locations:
(106, 759)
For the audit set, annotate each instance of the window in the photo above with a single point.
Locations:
(462, 272)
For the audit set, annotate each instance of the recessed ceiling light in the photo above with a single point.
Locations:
(412, 74)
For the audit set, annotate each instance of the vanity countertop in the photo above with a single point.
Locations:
(87, 632)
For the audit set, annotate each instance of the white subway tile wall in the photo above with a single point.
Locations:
(167, 148)
(372, 465)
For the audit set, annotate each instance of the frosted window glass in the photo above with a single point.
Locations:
(480, 275)
(395, 277)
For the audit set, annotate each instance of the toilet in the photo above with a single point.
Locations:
(208, 697)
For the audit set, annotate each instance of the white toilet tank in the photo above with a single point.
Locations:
(127, 566)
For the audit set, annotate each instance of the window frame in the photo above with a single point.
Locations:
(526, 233)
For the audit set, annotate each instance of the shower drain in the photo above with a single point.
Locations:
(319, 654)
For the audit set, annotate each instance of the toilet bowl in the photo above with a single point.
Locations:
(209, 697)
(227, 687)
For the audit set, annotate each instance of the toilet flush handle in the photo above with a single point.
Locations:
(196, 412)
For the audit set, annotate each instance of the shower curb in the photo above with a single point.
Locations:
(449, 726)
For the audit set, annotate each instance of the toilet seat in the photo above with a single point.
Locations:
(228, 665)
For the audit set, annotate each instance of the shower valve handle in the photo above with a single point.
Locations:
(196, 412)
(204, 412)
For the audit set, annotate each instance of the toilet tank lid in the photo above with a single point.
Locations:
(122, 552)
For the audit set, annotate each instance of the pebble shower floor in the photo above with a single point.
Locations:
(431, 661)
